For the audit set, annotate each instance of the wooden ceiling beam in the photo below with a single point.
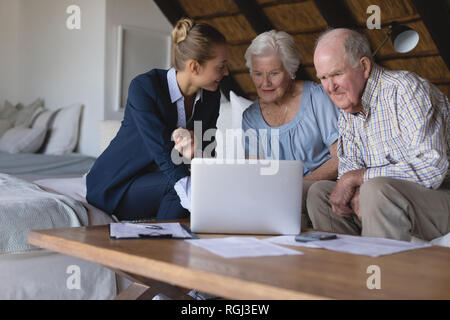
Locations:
(171, 9)
(254, 15)
(336, 13)
(436, 18)
(440, 81)
(174, 12)
(216, 15)
(409, 55)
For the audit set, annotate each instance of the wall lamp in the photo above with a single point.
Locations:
(403, 38)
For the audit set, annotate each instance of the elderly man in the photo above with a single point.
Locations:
(393, 148)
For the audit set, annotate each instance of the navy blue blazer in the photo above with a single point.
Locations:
(143, 143)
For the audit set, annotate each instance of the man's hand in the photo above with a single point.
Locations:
(185, 142)
(345, 190)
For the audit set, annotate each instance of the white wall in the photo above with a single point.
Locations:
(64, 66)
(138, 13)
(9, 10)
(42, 58)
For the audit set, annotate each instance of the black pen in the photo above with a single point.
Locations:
(155, 236)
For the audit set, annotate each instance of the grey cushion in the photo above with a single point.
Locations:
(22, 140)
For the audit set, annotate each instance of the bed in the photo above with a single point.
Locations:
(42, 162)
(40, 274)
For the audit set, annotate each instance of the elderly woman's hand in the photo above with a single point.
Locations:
(185, 142)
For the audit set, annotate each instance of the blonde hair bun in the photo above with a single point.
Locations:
(194, 41)
(181, 30)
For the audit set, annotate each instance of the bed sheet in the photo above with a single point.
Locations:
(45, 165)
(43, 274)
(75, 188)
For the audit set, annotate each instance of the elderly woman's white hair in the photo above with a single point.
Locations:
(275, 42)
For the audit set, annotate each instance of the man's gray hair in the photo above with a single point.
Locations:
(355, 44)
(275, 42)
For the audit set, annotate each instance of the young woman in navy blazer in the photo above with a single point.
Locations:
(136, 177)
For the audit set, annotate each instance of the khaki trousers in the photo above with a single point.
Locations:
(390, 208)
(305, 221)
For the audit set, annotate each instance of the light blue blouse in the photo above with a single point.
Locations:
(307, 137)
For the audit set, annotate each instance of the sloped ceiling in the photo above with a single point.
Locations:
(241, 20)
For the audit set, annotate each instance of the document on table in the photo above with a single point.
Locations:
(148, 230)
(242, 247)
(373, 247)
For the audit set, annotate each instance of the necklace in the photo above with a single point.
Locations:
(270, 116)
(284, 116)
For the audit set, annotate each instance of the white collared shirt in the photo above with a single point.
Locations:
(182, 186)
(177, 96)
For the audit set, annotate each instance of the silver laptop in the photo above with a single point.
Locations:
(246, 197)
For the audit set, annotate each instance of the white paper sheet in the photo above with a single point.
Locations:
(373, 247)
(241, 247)
(134, 230)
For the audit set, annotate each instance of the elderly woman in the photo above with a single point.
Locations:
(300, 112)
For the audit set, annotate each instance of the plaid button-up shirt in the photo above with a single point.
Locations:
(404, 132)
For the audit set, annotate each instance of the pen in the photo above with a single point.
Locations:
(154, 227)
(147, 226)
(156, 236)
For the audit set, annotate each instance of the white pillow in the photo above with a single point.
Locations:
(5, 125)
(25, 114)
(42, 118)
(224, 119)
(229, 128)
(108, 131)
(223, 123)
(22, 140)
(238, 106)
(64, 131)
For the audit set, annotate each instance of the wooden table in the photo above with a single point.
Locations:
(317, 274)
